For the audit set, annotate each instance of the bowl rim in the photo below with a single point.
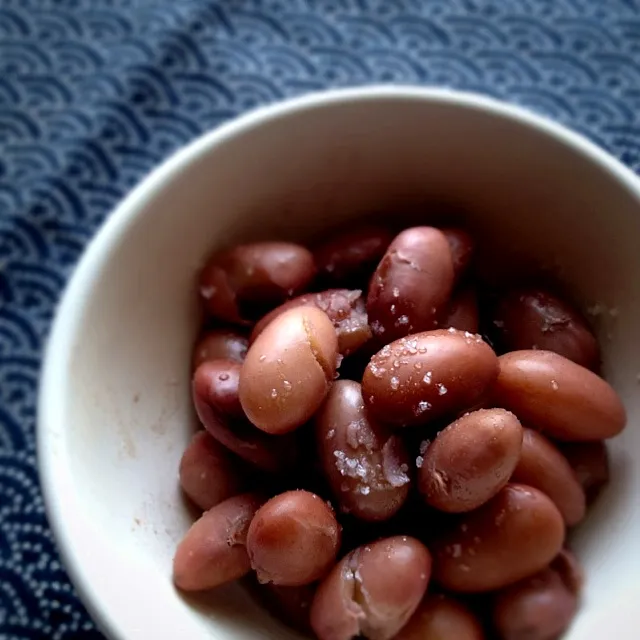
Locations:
(63, 330)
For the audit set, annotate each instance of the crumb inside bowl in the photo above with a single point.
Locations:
(115, 409)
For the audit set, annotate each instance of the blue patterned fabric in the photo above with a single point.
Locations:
(93, 93)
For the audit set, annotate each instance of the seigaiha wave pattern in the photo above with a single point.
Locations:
(94, 93)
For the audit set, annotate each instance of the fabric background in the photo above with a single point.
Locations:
(93, 93)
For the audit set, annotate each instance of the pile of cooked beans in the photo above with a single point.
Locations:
(391, 447)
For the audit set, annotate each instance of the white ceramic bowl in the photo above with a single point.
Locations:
(115, 411)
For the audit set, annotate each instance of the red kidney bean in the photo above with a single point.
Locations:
(220, 344)
(590, 462)
(365, 465)
(293, 539)
(345, 308)
(428, 375)
(558, 397)
(462, 247)
(463, 313)
(412, 285)
(213, 551)
(372, 591)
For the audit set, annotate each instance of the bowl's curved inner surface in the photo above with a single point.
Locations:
(119, 361)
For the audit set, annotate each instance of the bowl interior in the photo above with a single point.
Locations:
(116, 414)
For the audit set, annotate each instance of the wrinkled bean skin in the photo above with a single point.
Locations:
(348, 258)
(290, 605)
(590, 462)
(365, 465)
(537, 608)
(412, 285)
(471, 460)
(215, 396)
(542, 466)
(289, 370)
(220, 344)
(537, 319)
(463, 313)
(372, 591)
(254, 275)
(428, 375)
(213, 551)
(558, 397)
(208, 473)
(462, 247)
(293, 539)
(441, 618)
(517, 533)
(345, 308)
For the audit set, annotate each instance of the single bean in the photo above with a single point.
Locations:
(590, 462)
(293, 539)
(289, 370)
(428, 375)
(366, 466)
(463, 313)
(441, 617)
(351, 256)
(220, 344)
(471, 460)
(542, 466)
(517, 533)
(213, 551)
(537, 608)
(372, 591)
(558, 397)
(537, 319)
(569, 569)
(215, 396)
(208, 472)
(247, 278)
(462, 248)
(412, 285)
(345, 308)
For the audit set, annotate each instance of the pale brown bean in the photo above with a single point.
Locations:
(463, 313)
(208, 473)
(517, 533)
(220, 344)
(471, 460)
(558, 397)
(441, 617)
(372, 591)
(215, 397)
(289, 370)
(537, 608)
(590, 462)
(428, 375)
(213, 551)
(366, 466)
(412, 285)
(462, 247)
(537, 319)
(238, 283)
(293, 539)
(345, 308)
(543, 466)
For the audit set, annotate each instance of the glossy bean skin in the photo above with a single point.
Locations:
(536, 319)
(462, 247)
(208, 472)
(345, 308)
(348, 258)
(543, 466)
(366, 466)
(372, 591)
(441, 617)
(590, 462)
(289, 370)
(463, 313)
(471, 460)
(428, 375)
(514, 535)
(293, 539)
(412, 284)
(220, 344)
(537, 608)
(236, 282)
(215, 397)
(213, 551)
(558, 397)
